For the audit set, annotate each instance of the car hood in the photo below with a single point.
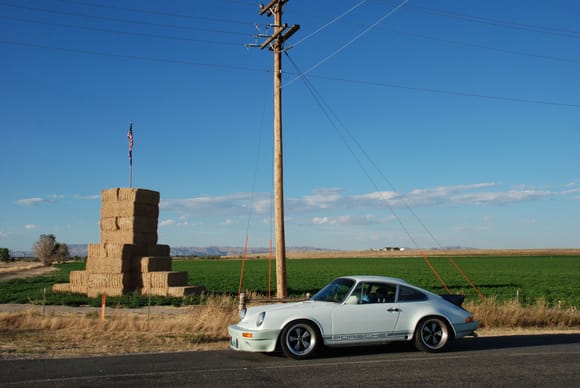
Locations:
(304, 305)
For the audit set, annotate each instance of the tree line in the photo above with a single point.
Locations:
(47, 249)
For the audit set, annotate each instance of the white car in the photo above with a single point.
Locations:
(354, 310)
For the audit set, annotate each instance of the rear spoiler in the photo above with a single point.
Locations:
(456, 299)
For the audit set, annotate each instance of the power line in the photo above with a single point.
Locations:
(329, 23)
(133, 57)
(357, 37)
(448, 92)
(336, 123)
(497, 22)
(118, 20)
(298, 75)
(119, 32)
(153, 12)
(463, 43)
(484, 47)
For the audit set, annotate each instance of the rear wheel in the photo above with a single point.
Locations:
(299, 340)
(432, 335)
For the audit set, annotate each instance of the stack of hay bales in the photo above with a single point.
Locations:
(128, 257)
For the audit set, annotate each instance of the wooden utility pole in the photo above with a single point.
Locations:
(275, 42)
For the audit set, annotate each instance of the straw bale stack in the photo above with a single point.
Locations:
(128, 257)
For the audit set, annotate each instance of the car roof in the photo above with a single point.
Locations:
(373, 278)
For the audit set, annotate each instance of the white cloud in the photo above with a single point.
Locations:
(30, 201)
(91, 197)
(167, 223)
(38, 200)
(323, 202)
(351, 220)
(30, 226)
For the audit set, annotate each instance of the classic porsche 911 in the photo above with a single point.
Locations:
(354, 310)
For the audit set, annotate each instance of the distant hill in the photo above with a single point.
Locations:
(81, 250)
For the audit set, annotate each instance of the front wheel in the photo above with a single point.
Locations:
(432, 335)
(299, 340)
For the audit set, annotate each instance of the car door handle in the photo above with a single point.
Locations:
(391, 310)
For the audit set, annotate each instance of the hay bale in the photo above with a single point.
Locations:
(79, 278)
(108, 264)
(110, 195)
(185, 290)
(137, 224)
(109, 280)
(113, 250)
(138, 195)
(140, 239)
(78, 289)
(161, 291)
(95, 250)
(110, 291)
(151, 250)
(131, 224)
(128, 209)
(163, 279)
(61, 287)
(153, 264)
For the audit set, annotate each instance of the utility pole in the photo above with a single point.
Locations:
(275, 43)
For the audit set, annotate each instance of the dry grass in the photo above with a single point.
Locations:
(75, 332)
(30, 334)
(511, 315)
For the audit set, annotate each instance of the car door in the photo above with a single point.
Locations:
(372, 319)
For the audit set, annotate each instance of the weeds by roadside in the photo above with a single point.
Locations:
(31, 334)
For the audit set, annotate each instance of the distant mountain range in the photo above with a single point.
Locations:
(81, 250)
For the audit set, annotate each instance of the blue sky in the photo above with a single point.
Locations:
(416, 124)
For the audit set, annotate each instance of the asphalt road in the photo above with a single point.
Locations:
(512, 361)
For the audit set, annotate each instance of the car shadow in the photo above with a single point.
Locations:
(461, 345)
(514, 341)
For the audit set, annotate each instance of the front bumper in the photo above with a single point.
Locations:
(249, 340)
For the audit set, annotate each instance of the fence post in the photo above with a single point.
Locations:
(242, 304)
(103, 305)
(43, 299)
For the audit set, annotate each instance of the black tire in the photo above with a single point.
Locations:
(299, 340)
(433, 335)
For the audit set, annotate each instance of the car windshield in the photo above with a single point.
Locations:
(335, 291)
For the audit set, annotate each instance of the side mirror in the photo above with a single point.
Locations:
(353, 299)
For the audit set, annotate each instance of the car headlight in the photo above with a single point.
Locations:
(261, 318)
(243, 313)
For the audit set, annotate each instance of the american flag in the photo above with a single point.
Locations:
(130, 137)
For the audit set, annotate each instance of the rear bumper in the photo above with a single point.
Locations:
(466, 329)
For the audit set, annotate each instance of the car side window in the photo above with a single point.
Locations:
(384, 293)
(375, 293)
(408, 294)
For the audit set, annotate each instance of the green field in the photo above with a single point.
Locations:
(555, 279)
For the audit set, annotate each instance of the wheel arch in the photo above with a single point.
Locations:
(311, 320)
(434, 315)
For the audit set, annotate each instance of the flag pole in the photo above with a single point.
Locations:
(130, 137)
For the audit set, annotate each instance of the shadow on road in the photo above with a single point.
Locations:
(459, 346)
(514, 341)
